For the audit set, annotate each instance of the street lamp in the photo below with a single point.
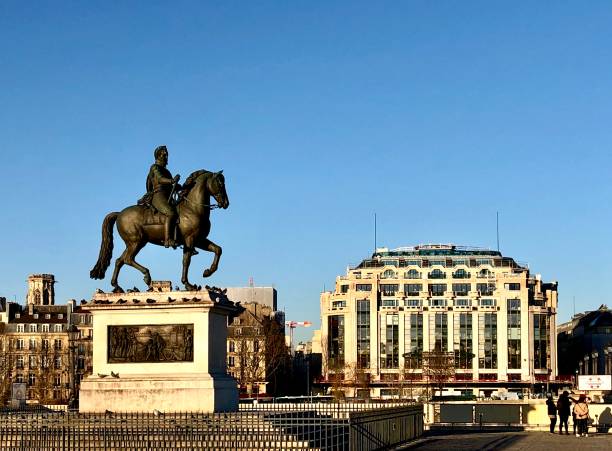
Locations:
(73, 335)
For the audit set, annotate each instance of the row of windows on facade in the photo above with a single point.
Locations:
(434, 274)
(45, 362)
(39, 328)
(34, 343)
(19, 343)
(414, 289)
(462, 343)
(447, 263)
(31, 380)
(484, 302)
(232, 346)
(36, 315)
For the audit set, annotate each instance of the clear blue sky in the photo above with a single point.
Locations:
(434, 115)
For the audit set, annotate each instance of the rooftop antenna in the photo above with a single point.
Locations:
(375, 233)
(574, 301)
(497, 226)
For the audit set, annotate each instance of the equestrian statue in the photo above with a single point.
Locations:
(169, 215)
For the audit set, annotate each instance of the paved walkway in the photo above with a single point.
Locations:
(532, 441)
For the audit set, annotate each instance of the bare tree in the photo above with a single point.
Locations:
(357, 378)
(260, 349)
(7, 362)
(438, 368)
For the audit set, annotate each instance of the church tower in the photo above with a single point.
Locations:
(41, 289)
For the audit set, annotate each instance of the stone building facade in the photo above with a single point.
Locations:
(256, 350)
(493, 318)
(35, 344)
(585, 343)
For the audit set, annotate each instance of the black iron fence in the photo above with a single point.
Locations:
(283, 428)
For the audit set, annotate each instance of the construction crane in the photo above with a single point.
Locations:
(292, 325)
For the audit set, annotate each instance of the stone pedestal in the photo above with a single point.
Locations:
(161, 351)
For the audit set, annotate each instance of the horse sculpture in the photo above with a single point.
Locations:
(138, 225)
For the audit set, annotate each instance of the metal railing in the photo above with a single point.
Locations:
(278, 426)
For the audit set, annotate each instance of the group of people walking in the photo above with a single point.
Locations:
(580, 414)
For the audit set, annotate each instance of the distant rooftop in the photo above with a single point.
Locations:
(401, 255)
(435, 249)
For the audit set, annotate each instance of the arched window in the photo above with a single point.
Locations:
(461, 274)
(437, 274)
(412, 274)
(388, 274)
(484, 273)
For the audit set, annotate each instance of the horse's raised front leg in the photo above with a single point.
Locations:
(209, 246)
(187, 253)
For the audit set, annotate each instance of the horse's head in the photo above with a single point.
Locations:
(216, 187)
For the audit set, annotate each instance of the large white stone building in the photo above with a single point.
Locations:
(490, 314)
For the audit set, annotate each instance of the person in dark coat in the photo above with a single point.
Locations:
(552, 413)
(563, 407)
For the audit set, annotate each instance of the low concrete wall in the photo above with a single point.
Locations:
(530, 414)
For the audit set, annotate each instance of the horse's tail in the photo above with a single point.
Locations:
(106, 249)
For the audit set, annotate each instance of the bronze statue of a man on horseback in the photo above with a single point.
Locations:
(168, 215)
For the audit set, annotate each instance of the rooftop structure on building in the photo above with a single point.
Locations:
(261, 295)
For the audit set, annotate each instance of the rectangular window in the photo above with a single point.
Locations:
(32, 344)
(58, 363)
(231, 361)
(363, 333)
(20, 344)
(57, 344)
(31, 380)
(437, 289)
(463, 340)
(389, 289)
(32, 363)
(20, 362)
(483, 261)
(412, 302)
(485, 288)
(32, 328)
(415, 350)
(363, 287)
(514, 333)
(487, 340)
(437, 302)
(58, 328)
(57, 380)
(413, 289)
(338, 304)
(20, 328)
(389, 303)
(45, 327)
(541, 357)
(487, 302)
(512, 286)
(335, 328)
(389, 345)
(344, 288)
(463, 302)
(437, 262)
(440, 329)
(461, 289)
(45, 343)
(81, 363)
(232, 346)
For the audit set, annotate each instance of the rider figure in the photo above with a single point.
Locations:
(159, 185)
